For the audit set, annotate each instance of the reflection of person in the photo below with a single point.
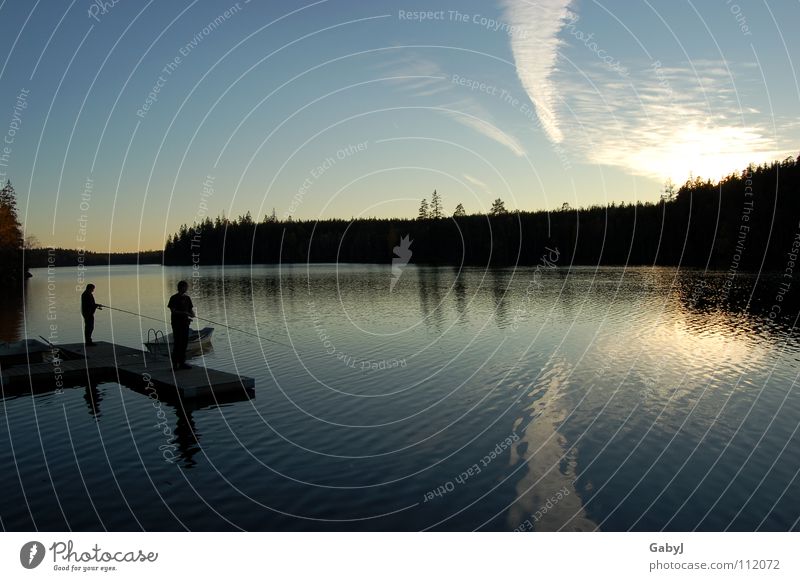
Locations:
(93, 397)
(88, 307)
(186, 437)
(180, 304)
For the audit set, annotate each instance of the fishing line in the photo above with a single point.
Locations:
(201, 319)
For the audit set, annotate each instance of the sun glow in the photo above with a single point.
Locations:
(706, 152)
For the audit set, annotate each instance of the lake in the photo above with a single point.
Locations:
(536, 399)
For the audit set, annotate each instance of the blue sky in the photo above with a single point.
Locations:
(342, 109)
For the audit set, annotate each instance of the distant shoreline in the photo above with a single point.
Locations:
(75, 257)
(93, 265)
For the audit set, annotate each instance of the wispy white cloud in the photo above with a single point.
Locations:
(667, 123)
(476, 182)
(492, 132)
(425, 78)
(535, 46)
(416, 75)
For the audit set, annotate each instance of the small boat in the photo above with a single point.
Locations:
(199, 341)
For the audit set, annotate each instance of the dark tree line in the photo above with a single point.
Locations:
(40, 257)
(746, 221)
(11, 266)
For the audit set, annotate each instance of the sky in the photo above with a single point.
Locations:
(123, 120)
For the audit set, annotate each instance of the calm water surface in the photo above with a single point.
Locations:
(543, 399)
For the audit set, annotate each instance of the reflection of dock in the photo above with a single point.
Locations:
(136, 369)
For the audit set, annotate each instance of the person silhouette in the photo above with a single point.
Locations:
(180, 304)
(88, 307)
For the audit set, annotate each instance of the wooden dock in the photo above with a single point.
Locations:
(137, 369)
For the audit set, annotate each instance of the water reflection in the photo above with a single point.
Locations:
(178, 425)
(187, 438)
(93, 397)
(500, 281)
(460, 293)
(769, 302)
(11, 312)
(432, 306)
(547, 498)
(627, 388)
(184, 438)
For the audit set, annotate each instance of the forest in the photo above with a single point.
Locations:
(746, 221)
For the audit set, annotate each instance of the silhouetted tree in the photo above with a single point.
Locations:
(668, 193)
(459, 211)
(498, 207)
(436, 206)
(424, 212)
(11, 241)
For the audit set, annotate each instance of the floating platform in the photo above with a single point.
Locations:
(137, 369)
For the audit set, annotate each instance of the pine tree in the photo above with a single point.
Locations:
(10, 229)
(423, 210)
(436, 206)
(498, 207)
(11, 240)
(668, 194)
(459, 211)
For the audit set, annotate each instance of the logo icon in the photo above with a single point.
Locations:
(401, 258)
(31, 554)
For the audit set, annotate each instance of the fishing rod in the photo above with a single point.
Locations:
(200, 319)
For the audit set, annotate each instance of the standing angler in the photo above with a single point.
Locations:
(88, 307)
(180, 304)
